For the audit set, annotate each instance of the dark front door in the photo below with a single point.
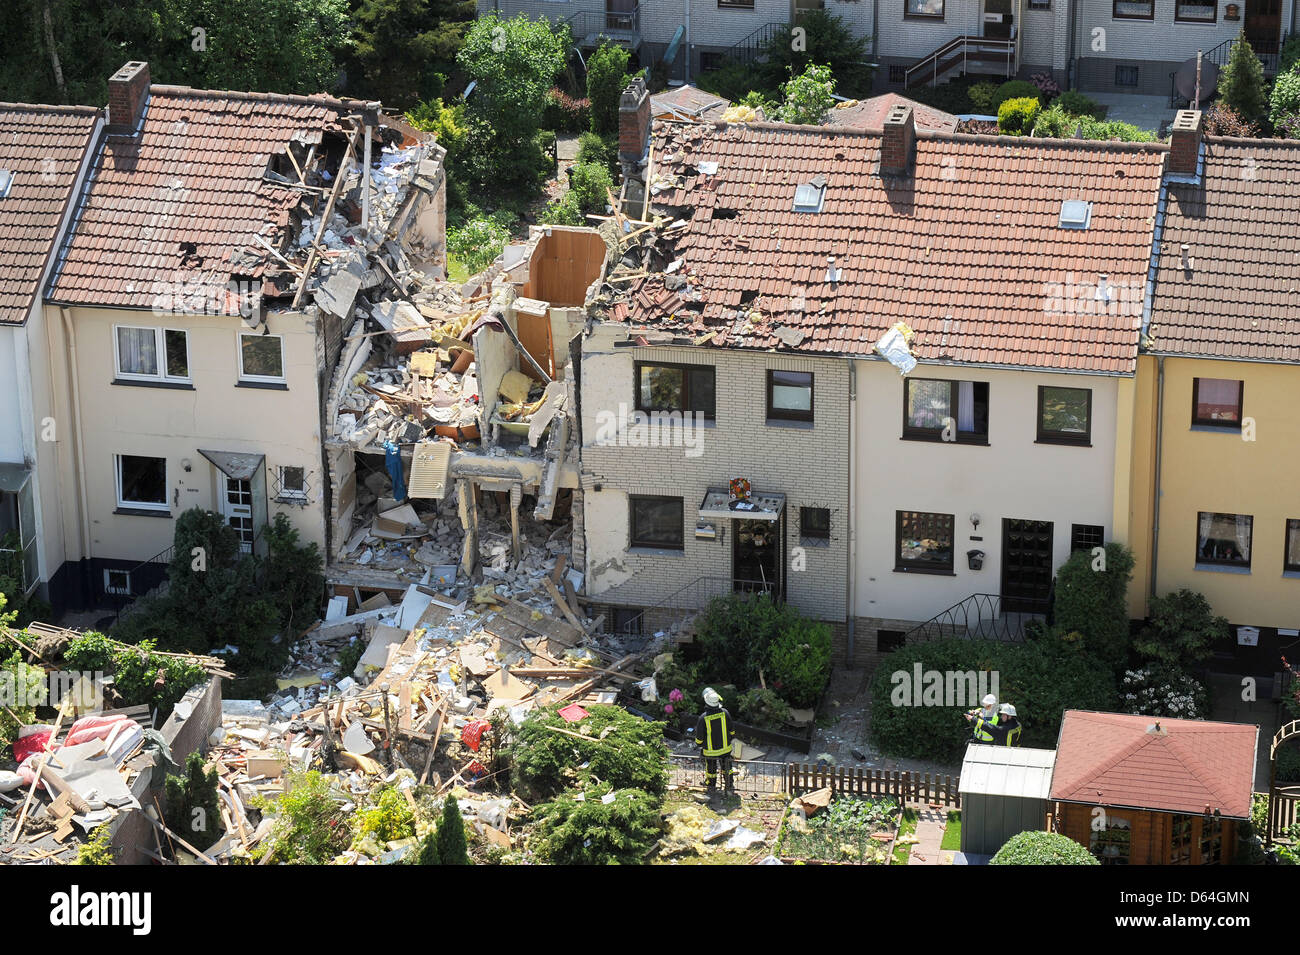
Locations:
(757, 555)
(1026, 565)
(997, 19)
(1263, 26)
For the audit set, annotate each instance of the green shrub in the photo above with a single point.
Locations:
(734, 633)
(1077, 104)
(611, 745)
(799, 661)
(1288, 764)
(982, 96)
(137, 671)
(607, 77)
(1055, 123)
(1015, 89)
(1114, 129)
(807, 97)
(28, 687)
(590, 186)
(91, 652)
(477, 242)
(389, 819)
(1289, 55)
(192, 805)
(592, 832)
(309, 828)
(1042, 848)
(1163, 689)
(1183, 630)
(732, 81)
(593, 148)
(451, 835)
(1016, 116)
(764, 708)
(1094, 602)
(1241, 84)
(428, 853)
(97, 849)
(568, 113)
(1285, 98)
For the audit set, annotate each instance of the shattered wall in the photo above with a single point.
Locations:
(806, 462)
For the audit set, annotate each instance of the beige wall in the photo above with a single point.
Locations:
(1206, 470)
(284, 425)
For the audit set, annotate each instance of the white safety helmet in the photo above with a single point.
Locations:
(1006, 709)
(711, 696)
(990, 700)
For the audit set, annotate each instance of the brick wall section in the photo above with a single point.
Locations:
(190, 735)
(809, 464)
(1185, 142)
(897, 142)
(128, 89)
(633, 121)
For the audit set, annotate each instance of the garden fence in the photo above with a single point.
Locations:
(752, 776)
(792, 779)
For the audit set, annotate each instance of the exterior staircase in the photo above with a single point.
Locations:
(965, 54)
(752, 48)
(982, 617)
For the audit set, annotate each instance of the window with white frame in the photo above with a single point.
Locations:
(152, 354)
(293, 484)
(117, 582)
(261, 358)
(141, 482)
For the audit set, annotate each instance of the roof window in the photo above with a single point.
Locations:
(1075, 214)
(6, 180)
(810, 196)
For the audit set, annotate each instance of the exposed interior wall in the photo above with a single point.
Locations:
(564, 265)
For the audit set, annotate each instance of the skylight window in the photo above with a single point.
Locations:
(6, 180)
(1075, 214)
(809, 196)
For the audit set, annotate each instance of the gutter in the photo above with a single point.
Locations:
(1155, 506)
(850, 575)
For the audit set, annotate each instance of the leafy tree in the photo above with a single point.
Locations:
(1183, 630)
(1092, 602)
(192, 805)
(405, 50)
(451, 835)
(1284, 101)
(513, 64)
(1042, 848)
(309, 827)
(1241, 85)
(607, 77)
(808, 96)
(826, 39)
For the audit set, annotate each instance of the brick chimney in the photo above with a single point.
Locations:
(634, 122)
(128, 91)
(1184, 143)
(898, 142)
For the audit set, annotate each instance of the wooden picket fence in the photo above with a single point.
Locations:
(906, 787)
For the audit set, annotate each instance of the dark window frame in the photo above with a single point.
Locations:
(912, 433)
(1218, 422)
(1292, 526)
(1123, 69)
(125, 503)
(791, 414)
(687, 372)
(1116, 15)
(1082, 537)
(927, 17)
(735, 4)
(1226, 562)
(817, 532)
(1213, 5)
(902, 565)
(1083, 439)
(1040, 4)
(633, 500)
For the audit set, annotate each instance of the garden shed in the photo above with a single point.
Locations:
(1004, 791)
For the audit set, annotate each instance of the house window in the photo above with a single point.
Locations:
(261, 358)
(1086, 537)
(735, 4)
(117, 582)
(1180, 840)
(1040, 4)
(141, 482)
(1291, 559)
(1224, 539)
(927, 9)
(1126, 76)
(293, 484)
(897, 73)
(789, 395)
(657, 522)
(815, 523)
(935, 410)
(889, 640)
(1196, 11)
(675, 388)
(1217, 402)
(152, 354)
(1211, 840)
(1111, 844)
(1064, 415)
(923, 542)
(628, 621)
(1134, 9)
(710, 61)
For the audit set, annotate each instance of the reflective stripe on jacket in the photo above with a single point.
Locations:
(713, 735)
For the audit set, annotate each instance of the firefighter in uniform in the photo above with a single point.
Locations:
(1007, 730)
(984, 721)
(713, 736)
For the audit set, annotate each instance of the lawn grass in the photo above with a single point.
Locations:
(906, 827)
(457, 273)
(952, 833)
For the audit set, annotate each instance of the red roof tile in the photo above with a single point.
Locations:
(968, 252)
(1242, 226)
(44, 148)
(192, 174)
(1111, 759)
(871, 113)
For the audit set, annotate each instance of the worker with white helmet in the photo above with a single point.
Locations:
(984, 720)
(1006, 732)
(713, 736)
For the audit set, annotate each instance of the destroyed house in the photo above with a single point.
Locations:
(893, 337)
(198, 307)
(44, 154)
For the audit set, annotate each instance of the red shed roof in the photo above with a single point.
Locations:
(969, 251)
(43, 147)
(871, 113)
(1187, 766)
(193, 173)
(1241, 224)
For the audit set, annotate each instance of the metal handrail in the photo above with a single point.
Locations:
(964, 43)
(622, 21)
(725, 585)
(749, 50)
(979, 616)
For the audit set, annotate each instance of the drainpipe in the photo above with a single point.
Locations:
(1155, 508)
(851, 536)
(80, 446)
(686, 39)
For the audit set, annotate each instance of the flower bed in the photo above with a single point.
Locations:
(850, 830)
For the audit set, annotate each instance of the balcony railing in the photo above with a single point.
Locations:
(590, 26)
(983, 617)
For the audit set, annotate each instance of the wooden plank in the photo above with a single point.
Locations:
(560, 603)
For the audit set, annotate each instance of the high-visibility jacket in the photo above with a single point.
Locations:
(713, 732)
(985, 729)
(1011, 732)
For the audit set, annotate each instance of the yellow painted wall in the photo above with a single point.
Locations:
(284, 425)
(1214, 471)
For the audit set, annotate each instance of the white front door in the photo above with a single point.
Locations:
(237, 508)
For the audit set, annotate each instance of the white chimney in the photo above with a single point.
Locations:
(1188, 261)
(1103, 290)
(832, 273)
